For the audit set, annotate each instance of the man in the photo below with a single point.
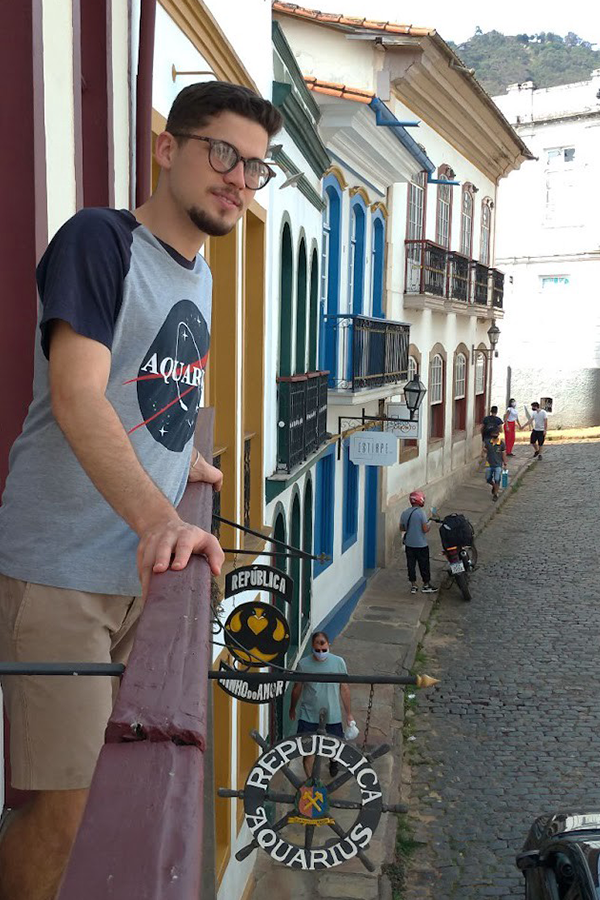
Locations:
(489, 423)
(315, 696)
(539, 428)
(89, 510)
(494, 452)
(414, 526)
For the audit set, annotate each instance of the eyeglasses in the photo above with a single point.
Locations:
(224, 157)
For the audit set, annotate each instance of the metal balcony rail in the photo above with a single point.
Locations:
(459, 277)
(371, 352)
(431, 269)
(480, 284)
(302, 418)
(497, 279)
(426, 268)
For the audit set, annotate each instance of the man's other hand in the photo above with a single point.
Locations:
(170, 544)
(203, 471)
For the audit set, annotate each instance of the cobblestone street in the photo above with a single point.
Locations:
(513, 729)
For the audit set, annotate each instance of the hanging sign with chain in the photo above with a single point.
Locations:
(250, 693)
(312, 803)
(262, 578)
(257, 634)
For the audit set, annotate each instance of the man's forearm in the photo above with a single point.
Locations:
(98, 440)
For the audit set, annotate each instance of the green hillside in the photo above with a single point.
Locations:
(545, 58)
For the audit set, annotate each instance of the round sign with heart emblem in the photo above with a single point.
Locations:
(257, 634)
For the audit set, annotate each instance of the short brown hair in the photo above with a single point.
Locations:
(197, 103)
(319, 634)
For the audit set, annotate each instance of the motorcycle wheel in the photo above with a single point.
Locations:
(472, 554)
(462, 581)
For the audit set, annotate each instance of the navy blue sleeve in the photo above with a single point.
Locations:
(80, 276)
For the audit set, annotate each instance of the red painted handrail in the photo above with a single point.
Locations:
(141, 835)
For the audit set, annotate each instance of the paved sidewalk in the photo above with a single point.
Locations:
(382, 636)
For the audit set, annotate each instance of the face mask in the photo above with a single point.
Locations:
(513, 404)
(320, 654)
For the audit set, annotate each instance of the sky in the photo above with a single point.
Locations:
(457, 21)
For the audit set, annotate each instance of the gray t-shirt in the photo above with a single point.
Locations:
(494, 450)
(415, 536)
(112, 281)
(315, 697)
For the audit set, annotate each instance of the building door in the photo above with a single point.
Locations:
(371, 516)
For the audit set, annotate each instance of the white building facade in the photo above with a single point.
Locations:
(548, 244)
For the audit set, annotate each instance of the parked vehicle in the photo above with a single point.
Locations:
(560, 859)
(458, 546)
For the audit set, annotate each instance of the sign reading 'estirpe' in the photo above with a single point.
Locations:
(262, 578)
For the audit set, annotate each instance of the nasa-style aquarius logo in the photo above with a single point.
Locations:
(171, 377)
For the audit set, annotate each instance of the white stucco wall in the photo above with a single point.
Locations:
(548, 229)
(59, 112)
(247, 26)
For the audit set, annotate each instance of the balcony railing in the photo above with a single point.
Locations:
(497, 279)
(459, 277)
(302, 419)
(370, 353)
(480, 284)
(430, 269)
(426, 268)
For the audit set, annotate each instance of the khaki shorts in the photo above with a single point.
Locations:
(57, 722)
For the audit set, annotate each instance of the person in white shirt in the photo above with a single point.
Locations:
(511, 420)
(539, 427)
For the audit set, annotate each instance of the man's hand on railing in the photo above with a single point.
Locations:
(201, 470)
(170, 544)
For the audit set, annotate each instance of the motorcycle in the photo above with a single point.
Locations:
(458, 546)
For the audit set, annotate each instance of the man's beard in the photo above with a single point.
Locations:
(207, 224)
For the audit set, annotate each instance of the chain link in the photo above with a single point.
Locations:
(368, 719)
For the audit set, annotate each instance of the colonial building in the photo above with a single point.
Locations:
(549, 249)
(407, 88)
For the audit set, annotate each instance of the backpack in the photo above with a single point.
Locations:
(456, 531)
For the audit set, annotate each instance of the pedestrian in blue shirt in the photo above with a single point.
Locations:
(311, 697)
(414, 525)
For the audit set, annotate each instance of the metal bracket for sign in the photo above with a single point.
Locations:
(345, 429)
(112, 669)
(295, 551)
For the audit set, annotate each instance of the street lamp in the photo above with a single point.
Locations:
(414, 393)
(493, 335)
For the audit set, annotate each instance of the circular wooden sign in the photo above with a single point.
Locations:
(257, 634)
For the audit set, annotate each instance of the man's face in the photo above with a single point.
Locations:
(320, 643)
(215, 201)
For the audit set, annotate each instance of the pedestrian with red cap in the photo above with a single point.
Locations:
(414, 526)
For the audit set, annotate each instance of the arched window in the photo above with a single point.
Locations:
(413, 368)
(480, 387)
(436, 397)
(301, 285)
(307, 546)
(466, 221)
(295, 568)
(330, 276)
(357, 255)
(285, 301)
(313, 313)
(377, 264)
(460, 392)
(443, 227)
(486, 229)
(324, 510)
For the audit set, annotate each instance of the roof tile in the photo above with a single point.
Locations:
(338, 90)
(293, 9)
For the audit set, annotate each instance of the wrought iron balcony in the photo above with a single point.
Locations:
(369, 353)
(497, 280)
(459, 277)
(426, 268)
(302, 420)
(480, 284)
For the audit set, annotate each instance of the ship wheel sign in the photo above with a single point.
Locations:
(312, 803)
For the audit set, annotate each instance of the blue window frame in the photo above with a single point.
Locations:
(358, 221)
(324, 510)
(350, 502)
(378, 263)
(330, 274)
